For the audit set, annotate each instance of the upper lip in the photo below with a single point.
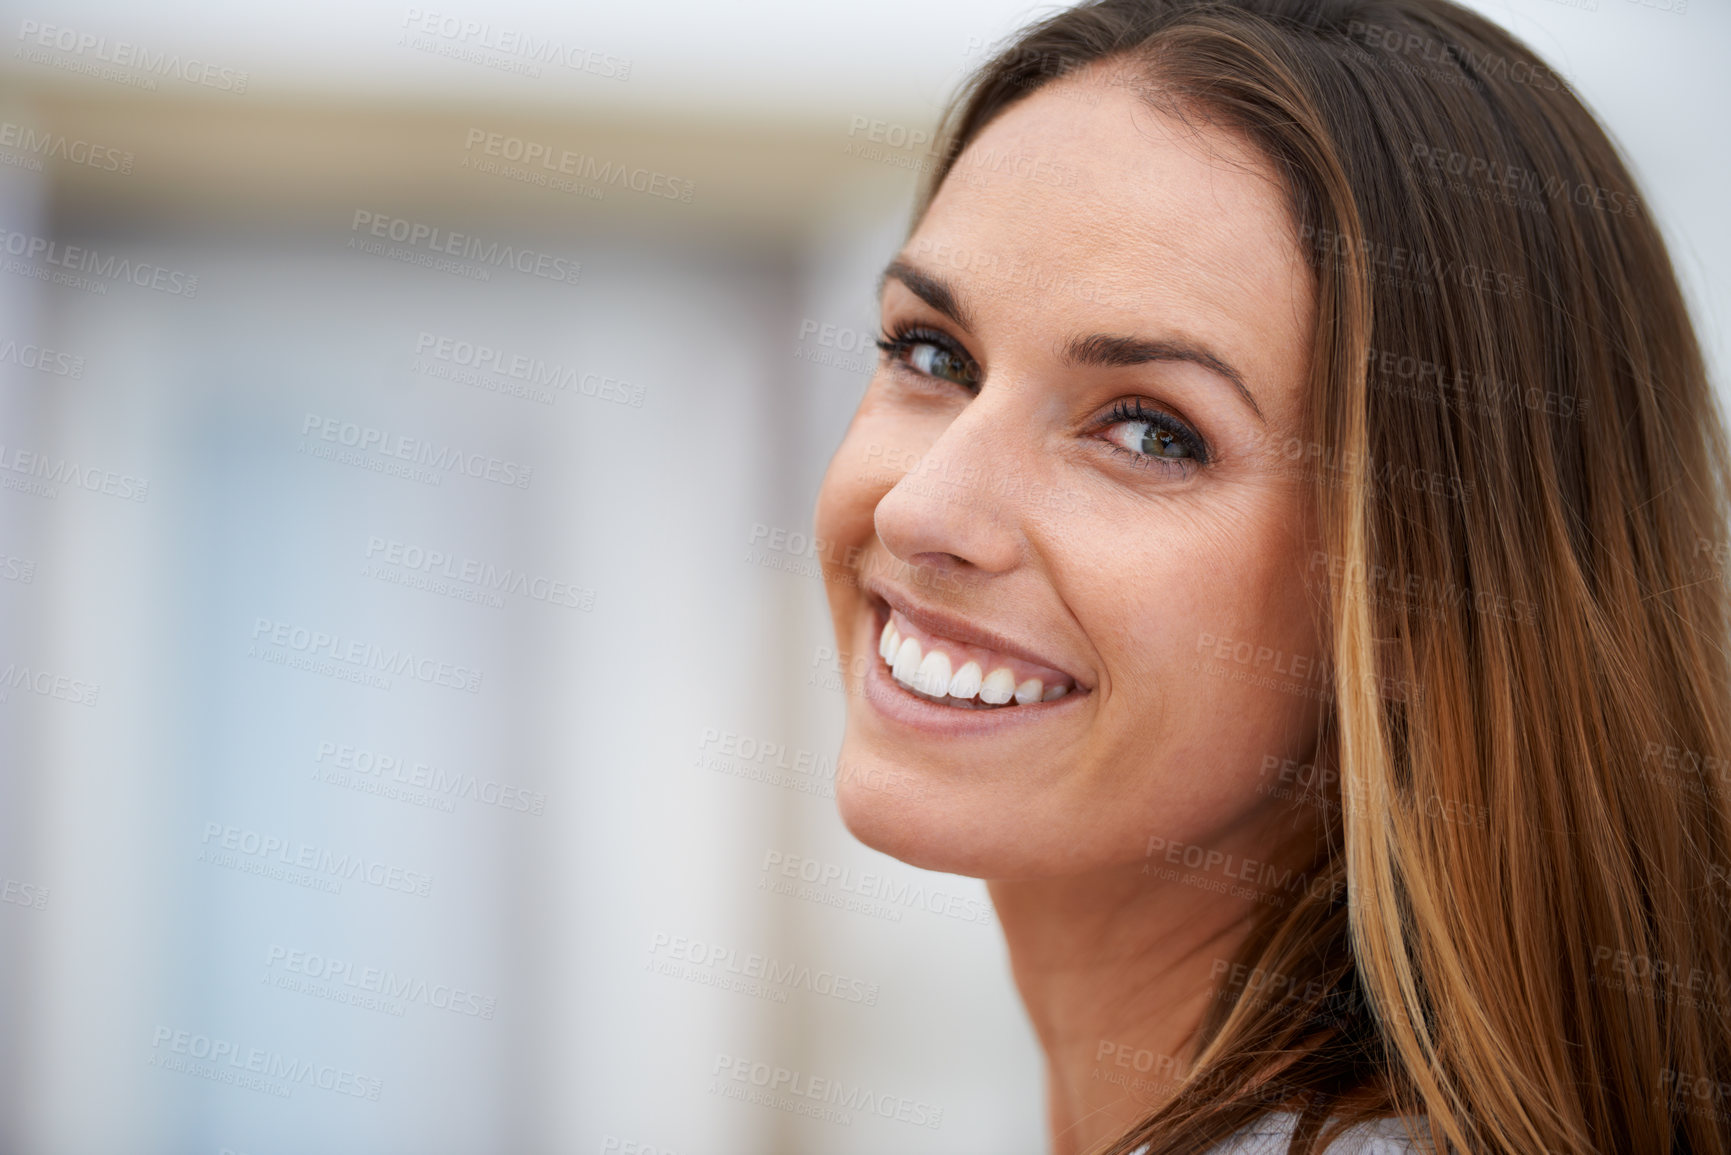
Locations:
(947, 625)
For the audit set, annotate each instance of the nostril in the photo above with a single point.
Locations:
(939, 570)
(929, 570)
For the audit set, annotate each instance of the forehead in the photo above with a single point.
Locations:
(1084, 208)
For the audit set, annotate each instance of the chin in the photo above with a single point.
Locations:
(934, 824)
(899, 823)
(906, 816)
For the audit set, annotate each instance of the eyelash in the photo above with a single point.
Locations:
(896, 342)
(1133, 409)
(900, 339)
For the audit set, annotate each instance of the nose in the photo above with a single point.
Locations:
(951, 511)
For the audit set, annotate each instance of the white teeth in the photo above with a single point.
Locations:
(907, 662)
(999, 687)
(934, 674)
(930, 674)
(966, 683)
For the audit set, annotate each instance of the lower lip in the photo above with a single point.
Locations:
(890, 700)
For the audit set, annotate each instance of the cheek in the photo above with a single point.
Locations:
(1213, 660)
(858, 476)
(879, 447)
(852, 486)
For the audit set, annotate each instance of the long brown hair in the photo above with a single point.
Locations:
(1521, 480)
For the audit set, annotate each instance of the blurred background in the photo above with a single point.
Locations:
(417, 710)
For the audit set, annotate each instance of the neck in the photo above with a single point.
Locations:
(1116, 969)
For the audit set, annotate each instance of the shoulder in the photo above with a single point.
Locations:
(1270, 1134)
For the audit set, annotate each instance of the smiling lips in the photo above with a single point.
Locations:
(948, 672)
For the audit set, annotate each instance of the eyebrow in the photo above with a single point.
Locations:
(934, 291)
(1108, 352)
(1100, 350)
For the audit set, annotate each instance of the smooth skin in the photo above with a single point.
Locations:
(1146, 261)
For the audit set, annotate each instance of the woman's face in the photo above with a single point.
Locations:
(1069, 486)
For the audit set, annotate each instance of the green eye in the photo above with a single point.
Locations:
(1146, 435)
(1148, 439)
(1157, 442)
(935, 361)
(932, 354)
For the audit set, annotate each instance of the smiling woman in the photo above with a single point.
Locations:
(1295, 570)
